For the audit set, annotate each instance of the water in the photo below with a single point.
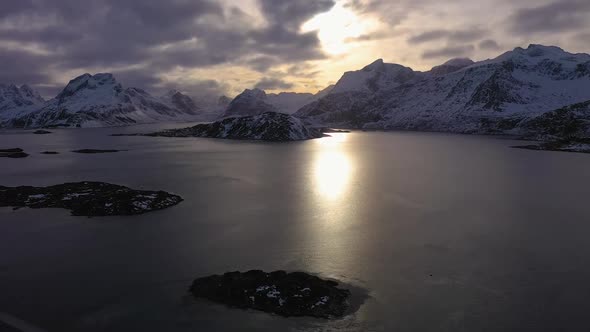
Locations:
(445, 232)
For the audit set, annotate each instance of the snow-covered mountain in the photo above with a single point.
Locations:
(14, 99)
(269, 126)
(494, 96)
(451, 66)
(256, 101)
(249, 102)
(181, 102)
(98, 101)
(289, 102)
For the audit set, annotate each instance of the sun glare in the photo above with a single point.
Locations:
(333, 168)
(336, 28)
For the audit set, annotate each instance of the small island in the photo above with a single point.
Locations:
(13, 153)
(93, 151)
(279, 292)
(88, 198)
(579, 145)
(269, 126)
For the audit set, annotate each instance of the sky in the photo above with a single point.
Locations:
(214, 47)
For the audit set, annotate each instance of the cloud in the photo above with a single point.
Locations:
(555, 17)
(449, 52)
(20, 67)
(466, 35)
(489, 44)
(156, 36)
(273, 84)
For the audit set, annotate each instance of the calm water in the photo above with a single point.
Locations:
(446, 233)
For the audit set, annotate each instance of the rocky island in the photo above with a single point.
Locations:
(279, 292)
(269, 126)
(88, 198)
(94, 151)
(13, 153)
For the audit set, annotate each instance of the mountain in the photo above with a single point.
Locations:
(249, 102)
(181, 102)
(14, 100)
(269, 126)
(256, 101)
(289, 102)
(451, 66)
(374, 77)
(98, 101)
(499, 95)
(322, 93)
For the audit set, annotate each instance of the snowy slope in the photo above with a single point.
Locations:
(97, 101)
(15, 100)
(491, 96)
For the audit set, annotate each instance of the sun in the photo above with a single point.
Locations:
(336, 28)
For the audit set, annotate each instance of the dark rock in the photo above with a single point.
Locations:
(95, 151)
(49, 152)
(41, 132)
(13, 153)
(279, 292)
(580, 145)
(88, 198)
(268, 126)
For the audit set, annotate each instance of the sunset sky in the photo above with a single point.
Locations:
(225, 46)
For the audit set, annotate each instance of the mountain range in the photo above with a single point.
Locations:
(504, 95)
(532, 92)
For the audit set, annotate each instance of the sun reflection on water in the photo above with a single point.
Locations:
(332, 167)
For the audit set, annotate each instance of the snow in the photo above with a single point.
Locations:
(262, 288)
(323, 300)
(374, 76)
(95, 101)
(520, 84)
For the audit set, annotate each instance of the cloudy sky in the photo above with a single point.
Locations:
(225, 46)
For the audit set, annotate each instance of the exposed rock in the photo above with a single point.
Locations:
(269, 126)
(567, 145)
(88, 151)
(279, 292)
(13, 153)
(49, 152)
(41, 132)
(88, 198)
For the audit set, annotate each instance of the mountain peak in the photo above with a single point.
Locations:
(451, 66)
(537, 50)
(459, 62)
(374, 65)
(87, 81)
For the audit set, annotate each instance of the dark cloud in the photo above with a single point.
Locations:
(449, 52)
(302, 70)
(489, 44)
(268, 83)
(158, 35)
(20, 67)
(262, 63)
(555, 17)
(457, 36)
